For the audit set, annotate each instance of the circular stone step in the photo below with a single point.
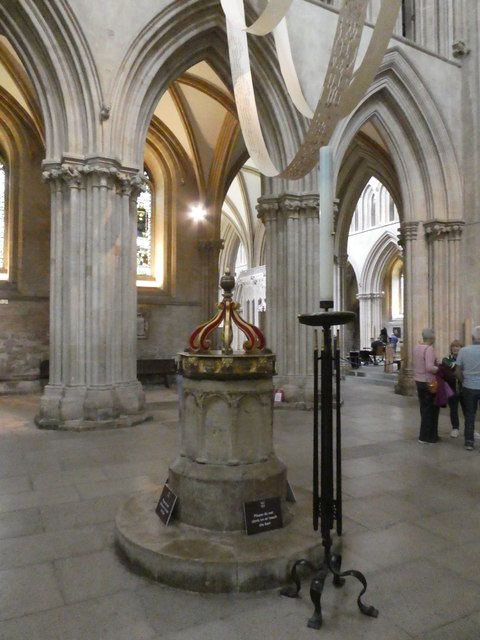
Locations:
(197, 559)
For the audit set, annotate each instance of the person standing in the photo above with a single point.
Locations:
(378, 349)
(393, 341)
(424, 370)
(468, 373)
(447, 372)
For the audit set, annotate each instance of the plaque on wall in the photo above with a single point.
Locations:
(263, 515)
(165, 505)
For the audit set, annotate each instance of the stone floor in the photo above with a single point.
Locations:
(411, 525)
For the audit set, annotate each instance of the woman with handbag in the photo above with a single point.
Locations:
(424, 372)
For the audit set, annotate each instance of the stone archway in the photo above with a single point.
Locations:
(417, 163)
(371, 292)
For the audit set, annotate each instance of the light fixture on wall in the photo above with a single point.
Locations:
(198, 212)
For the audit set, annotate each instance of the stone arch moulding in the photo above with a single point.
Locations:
(54, 51)
(362, 160)
(427, 173)
(416, 136)
(370, 286)
(382, 253)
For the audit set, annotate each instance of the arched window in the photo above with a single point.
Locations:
(396, 284)
(241, 261)
(355, 219)
(3, 222)
(392, 210)
(144, 230)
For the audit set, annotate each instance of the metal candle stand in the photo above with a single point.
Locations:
(327, 503)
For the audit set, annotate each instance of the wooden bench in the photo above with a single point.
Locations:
(154, 370)
(150, 370)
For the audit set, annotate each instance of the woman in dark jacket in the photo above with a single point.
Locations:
(447, 371)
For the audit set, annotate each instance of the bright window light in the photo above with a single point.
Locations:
(197, 212)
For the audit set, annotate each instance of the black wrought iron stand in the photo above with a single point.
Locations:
(327, 498)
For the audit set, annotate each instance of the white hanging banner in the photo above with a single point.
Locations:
(339, 95)
(273, 13)
(364, 75)
(325, 118)
(289, 73)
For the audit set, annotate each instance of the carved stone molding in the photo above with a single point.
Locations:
(75, 176)
(233, 400)
(210, 246)
(227, 367)
(267, 209)
(460, 49)
(378, 295)
(440, 230)
(289, 206)
(408, 232)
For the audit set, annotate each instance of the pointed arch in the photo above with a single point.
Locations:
(159, 55)
(422, 173)
(363, 159)
(54, 51)
(383, 252)
(426, 178)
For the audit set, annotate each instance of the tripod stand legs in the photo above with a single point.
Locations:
(332, 563)
(316, 589)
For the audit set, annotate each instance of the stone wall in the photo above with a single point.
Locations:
(23, 345)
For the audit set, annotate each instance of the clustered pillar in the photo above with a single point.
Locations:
(93, 293)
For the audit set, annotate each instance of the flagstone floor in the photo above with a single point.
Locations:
(411, 525)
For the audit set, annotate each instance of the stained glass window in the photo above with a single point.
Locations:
(144, 230)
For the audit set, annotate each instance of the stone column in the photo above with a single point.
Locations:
(443, 239)
(346, 330)
(209, 252)
(292, 267)
(93, 297)
(408, 239)
(371, 316)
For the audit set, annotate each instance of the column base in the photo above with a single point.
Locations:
(212, 496)
(84, 408)
(406, 384)
(187, 557)
(297, 390)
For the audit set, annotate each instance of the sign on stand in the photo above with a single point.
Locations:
(263, 515)
(166, 505)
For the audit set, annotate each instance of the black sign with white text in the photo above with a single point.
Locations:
(263, 515)
(165, 505)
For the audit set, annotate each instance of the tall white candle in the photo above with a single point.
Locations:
(326, 225)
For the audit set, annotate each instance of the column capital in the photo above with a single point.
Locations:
(443, 230)
(289, 205)
(374, 295)
(77, 173)
(210, 246)
(407, 232)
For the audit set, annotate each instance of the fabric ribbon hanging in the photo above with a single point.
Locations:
(342, 89)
